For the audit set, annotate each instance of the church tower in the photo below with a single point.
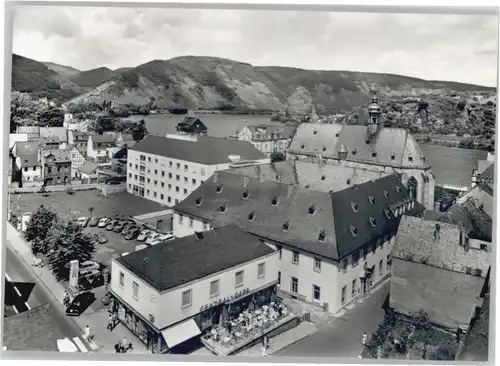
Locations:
(374, 112)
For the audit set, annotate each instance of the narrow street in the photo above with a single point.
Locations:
(342, 336)
(26, 293)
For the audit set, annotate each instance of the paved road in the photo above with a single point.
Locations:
(33, 294)
(342, 336)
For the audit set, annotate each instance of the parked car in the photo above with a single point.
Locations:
(83, 221)
(161, 238)
(104, 222)
(111, 225)
(87, 267)
(133, 234)
(94, 221)
(152, 237)
(101, 239)
(92, 280)
(113, 181)
(119, 227)
(129, 226)
(80, 303)
(144, 234)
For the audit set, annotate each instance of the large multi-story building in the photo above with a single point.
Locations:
(371, 147)
(171, 292)
(329, 243)
(168, 169)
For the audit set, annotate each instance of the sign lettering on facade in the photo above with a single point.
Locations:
(223, 300)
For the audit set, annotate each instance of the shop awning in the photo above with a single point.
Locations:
(180, 333)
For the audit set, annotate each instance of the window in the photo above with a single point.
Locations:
(345, 263)
(295, 258)
(143, 158)
(162, 185)
(354, 289)
(186, 299)
(181, 218)
(194, 182)
(177, 177)
(381, 268)
(26, 169)
(388, 263)
(468, 270)
(156, 171)
(169, 187)
(162, 173)
(156, 161)
(185, 180)
(149, 180)
(214, 288)
(169, 199)
(483, 247)
(279, 278)
(176, 188)
(342, 295)
(294, 285)
(185, 168)
(154, 194)
(185, 191)
(478, 272)
(238, 279)
(261, 270)
(155, 182)
(135, 290)
(316, 293)
(191, 222)
(170, 175)
(355, 258)
(122, 279)
(317, 264)
(178, 165)
(170, 164)
(162, 196)
(149, 159)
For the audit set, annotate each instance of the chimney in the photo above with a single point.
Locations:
(245, 182)
(290, 191)
(342, 153)
(216, 177)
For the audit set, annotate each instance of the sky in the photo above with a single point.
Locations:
(436, 47)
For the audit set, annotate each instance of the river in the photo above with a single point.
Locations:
(450, 165)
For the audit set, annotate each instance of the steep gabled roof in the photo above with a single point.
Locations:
(323, 223)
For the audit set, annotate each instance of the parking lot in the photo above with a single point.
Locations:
(123, 205)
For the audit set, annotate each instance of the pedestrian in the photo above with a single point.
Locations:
(117, 348)
(124, 344)
(66, 299)
(111, 322)
(87, 334)
(364, 339)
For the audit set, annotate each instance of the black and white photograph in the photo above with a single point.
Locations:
(262, 183)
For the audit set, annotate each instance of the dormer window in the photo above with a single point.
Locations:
(354, 151)
(324, 149)
(386, 194)
(323, 177)
(302, 146)
(387, 214)
(373, 221)
(371, 199)
(354, 206)
(251, 215)
(245, 195)
(222, 208)
(219, 188)
(354, 230)
(322, 236)
(398, 189)
(315, 132)
(374, 154)
(336, 135)
(393, 156)
(274, 201)
(286, 226)
(312, 210)
(410, 158)
(199, 200)
(348, 181)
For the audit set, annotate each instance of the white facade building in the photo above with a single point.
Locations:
(168, 169)
(324, 239)
(267, 138)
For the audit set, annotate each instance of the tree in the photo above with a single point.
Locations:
(277, 156)
(38, 227)
(139, 130)
(68, 242)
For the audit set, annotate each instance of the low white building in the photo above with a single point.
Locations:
(168, 169)
(30, 168)
(172, 292)
(97, 148)
(326, 241)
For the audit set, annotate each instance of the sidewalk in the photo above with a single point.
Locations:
(47, 279)
(285, 339)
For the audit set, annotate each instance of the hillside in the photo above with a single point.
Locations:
(92, 78)
(61, 69)
(215, 83)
